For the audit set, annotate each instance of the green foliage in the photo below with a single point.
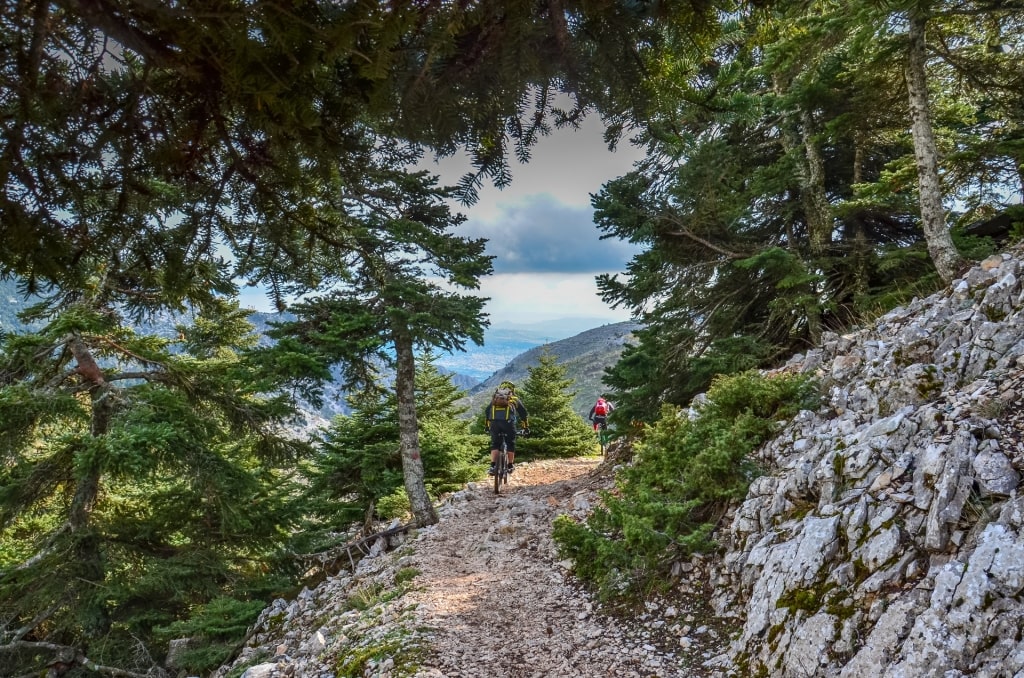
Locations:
(215, 629)
(394, 506)
(367, 595)
(155, 475)
(555, 428)
(405, 575)
(405, 286)
(450, 451)
(778, 200)
(1016, 216)
(358, 467)
(286, 115)
(687, 470)
(779, 196)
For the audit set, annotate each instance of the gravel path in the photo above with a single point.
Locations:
(499, 602)
(482, 594)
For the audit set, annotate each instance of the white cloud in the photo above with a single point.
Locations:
(541, 235)
(546, 269)
(523, 298)
(567, 165)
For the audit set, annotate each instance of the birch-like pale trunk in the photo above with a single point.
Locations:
(408, 431)
(944, 254)
(816, 205)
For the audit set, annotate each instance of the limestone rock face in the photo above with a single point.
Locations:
(910, 561)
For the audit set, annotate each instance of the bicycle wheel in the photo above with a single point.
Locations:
(500, 470)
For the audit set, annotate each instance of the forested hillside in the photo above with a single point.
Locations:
(11, 303)
(584, 357)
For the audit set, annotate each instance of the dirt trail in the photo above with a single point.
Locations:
(499, 602)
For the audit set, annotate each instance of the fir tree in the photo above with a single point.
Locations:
(141, 476)
(359, 464)
(452, 453)
(555, 429)
(385, 303)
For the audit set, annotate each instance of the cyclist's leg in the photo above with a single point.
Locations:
(495, 441)
(511, 445)
(495, 445)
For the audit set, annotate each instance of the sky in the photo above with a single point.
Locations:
(540, 230)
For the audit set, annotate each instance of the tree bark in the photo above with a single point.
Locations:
(88, 564)
(408, 431)
(819, 212)
(817, 215)
(944, 254)
(861, 246)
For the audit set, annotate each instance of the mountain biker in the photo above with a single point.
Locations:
(599, 412)
(504, 410)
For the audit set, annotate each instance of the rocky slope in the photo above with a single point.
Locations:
(885, 538)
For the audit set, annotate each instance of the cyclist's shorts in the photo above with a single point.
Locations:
(510, 435)
(600, 421)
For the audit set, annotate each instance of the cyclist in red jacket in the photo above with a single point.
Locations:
(599, 413)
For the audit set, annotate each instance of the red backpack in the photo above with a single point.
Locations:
(600, 408)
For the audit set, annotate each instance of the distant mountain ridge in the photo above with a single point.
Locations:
(584, 357)
(477, 363)
(506, 354)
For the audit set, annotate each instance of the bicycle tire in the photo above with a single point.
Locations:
(501, 468)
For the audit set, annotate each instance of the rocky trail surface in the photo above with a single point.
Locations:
(482, 593)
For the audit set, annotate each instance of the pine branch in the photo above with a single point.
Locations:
(684, 232)
(108, 19)
(46, 551)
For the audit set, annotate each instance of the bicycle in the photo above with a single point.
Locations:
(501, 464)
(603, 435)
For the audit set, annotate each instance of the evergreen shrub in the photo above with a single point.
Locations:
(216, 627)
(689, 467)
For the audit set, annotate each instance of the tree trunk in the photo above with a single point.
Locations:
(819, 212)
(88, 562)
(861, 246)
(408, 431)
(811, 177)
(947, 260)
